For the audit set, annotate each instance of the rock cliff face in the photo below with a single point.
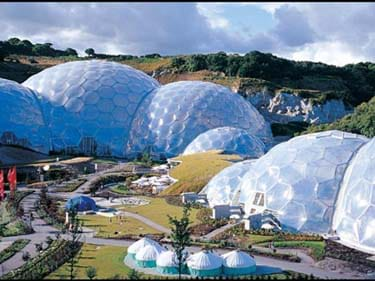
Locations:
(285, 107)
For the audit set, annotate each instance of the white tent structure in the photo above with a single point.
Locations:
(140, 244)
(205, 263)
(147, 256)
(167, 263)
(238, 263)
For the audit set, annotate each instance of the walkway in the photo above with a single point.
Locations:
(215, 232)
(147, 221)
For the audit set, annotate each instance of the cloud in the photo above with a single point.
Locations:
(328, 32)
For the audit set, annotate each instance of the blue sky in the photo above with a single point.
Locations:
(335, 33)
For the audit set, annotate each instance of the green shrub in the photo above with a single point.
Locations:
(14, 248)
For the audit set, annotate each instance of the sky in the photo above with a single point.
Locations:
(333, 33)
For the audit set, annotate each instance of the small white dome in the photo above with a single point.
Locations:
(167, 258)
(204, 260)
(237, 259)
(149, 253)
(140, 244)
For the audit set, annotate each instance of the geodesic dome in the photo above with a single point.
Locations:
(354, 217)
(174, 114)
(224, 188)
(21, 118)
(230, 140)
(81, 204)
(89, 105)
(298, 180)
(238, 263)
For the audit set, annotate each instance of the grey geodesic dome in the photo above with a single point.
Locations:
(176, 113)
(354, 217)
(230, 140)
(224, 188)
(89, 105)
(298, 180)
(21, 118)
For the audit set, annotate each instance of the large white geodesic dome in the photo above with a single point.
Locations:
(224, 188)
(299, 180)
(228, 139)
(21, 119)
(354, 217)
(176, 113)
(89, 105)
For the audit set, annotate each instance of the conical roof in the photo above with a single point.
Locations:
(167, 258)
(237, 259)
(149, 253)
(205, 260)
(141, 243)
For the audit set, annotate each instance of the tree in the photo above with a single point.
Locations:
(134, 275)
(91, 272)
(71, 52)
(180, 236)
(90, 52)
(75, 227)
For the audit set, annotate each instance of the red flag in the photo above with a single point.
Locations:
(1, 185)
(12, 178)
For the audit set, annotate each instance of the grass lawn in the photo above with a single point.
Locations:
(108, 261)
(317, 248)
(104, 161)
(107, 229)
(121, 189)
(158, 211)
(257, 239)
(196, 170)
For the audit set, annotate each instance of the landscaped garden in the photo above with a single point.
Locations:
(11, 222)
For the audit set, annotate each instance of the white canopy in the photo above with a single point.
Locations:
(138, 245)
(237, 259)
(149, 253)
(167, 258)
(204, 260)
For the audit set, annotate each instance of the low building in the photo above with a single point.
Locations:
(226, 211)
(192, 197)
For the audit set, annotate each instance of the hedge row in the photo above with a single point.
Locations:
(13, 249)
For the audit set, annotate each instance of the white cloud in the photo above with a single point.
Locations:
(213, 13)
(328, 52)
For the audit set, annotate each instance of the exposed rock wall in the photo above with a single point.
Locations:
(285, 107)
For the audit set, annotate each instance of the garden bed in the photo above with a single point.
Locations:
(46, 262)
(13, 249)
